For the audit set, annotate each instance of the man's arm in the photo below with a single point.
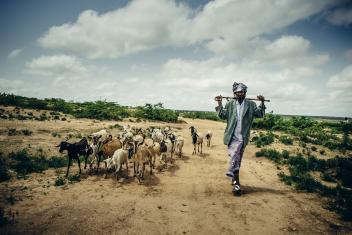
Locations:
(221, 111)
(260, 111)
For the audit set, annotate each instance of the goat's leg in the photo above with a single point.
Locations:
(134, 168)
(117, 171)
(68, 165)
(126, 168)
(151, 166)
(85, 161)
(99, 158)
(79, 164)
(154, 158)
(143, 169)
(106, 169)
(201, 148)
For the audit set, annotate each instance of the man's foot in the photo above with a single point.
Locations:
(237, 190)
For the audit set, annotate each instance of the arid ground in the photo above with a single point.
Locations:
(191, 196)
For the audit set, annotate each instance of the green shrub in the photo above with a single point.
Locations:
(263, 139)
(60, 180)
(271, 154)
(286, 140)
(4, 168)
(12, 132)
(327, 177)
(341, 202)
(23, 163)
(26, 132)
(156, 112)
(118, 126)
(201, 115)
(55, 134)
(285, 154)
(57, 162)
(74, 178)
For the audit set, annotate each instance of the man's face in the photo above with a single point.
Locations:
(239, 94)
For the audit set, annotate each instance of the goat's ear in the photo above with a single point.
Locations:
(58, 145)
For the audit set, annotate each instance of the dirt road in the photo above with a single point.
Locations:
(192, 197)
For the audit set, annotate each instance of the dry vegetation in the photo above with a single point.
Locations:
(191, 196)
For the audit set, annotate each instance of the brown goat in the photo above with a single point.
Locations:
(107, 149)
(142, 157)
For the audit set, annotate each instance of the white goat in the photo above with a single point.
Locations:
(179, 145)
(117, 160)
(157, 136)
(208, 136)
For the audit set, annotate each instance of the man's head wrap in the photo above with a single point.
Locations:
(237, 87)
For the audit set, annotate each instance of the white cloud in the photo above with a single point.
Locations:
(340, 17)
(348, 54)
(140, 26)
(14, 53)
(288, 50)
(342, 80)
(56, 65)
(225, 26)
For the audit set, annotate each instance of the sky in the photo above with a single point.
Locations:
(297, 53)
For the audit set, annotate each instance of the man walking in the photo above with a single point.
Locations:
(239, 113)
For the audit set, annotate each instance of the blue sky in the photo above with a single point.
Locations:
(296, 53)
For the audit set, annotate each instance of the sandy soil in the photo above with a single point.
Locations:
(193, 196)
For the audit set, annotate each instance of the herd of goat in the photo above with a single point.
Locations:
(141, 146)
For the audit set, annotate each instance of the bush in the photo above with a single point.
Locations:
(57, 162)
(23, 163)
(74, 178)
(342, 203)
(156, 112)
(12, 132)
(271, 154)
(118, 126)
(263, 139)
(271, 122)
(4, 168)
(55, 134)
(201, 115)
(314, 148)
(27, 132)
(286, 140)
(60, 180)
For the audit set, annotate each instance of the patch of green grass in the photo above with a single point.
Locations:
(271, 154)
(57, 162)
(55, 134)
(26, 132)
(263, 139)
(12, 132)
(286, 140)
(74, 178)
(118, 126)
(60, 180)
(4, 168)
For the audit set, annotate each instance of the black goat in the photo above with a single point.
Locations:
(74, 151)
(196, 140)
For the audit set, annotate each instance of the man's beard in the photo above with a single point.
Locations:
(241, 98)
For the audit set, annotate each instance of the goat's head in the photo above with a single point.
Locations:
(63, 146)
(193, 129)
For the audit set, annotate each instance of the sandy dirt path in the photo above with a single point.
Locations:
(192, 197)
